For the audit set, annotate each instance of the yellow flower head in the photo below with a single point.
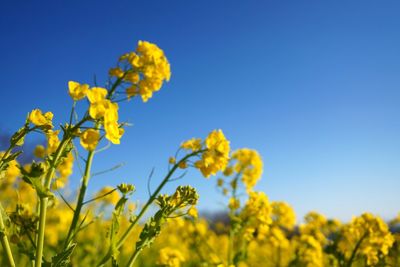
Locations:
(257, 213)
(39, 119)
(216, 157)
(52, 141)
(98, 102)
(149, 68)
(65, 169)
(193, 144)
(40, 151)
(113, 131)
(310, 251)
(89, 139)
(96, 94)
(77, 91)
(249, 163)
(172, 160)
(192, 212)
(283, 215)
(371, 234)
(111, 198)
(12, 170)
(170, 257)
(116, 72)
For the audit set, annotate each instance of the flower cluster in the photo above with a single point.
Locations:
(144, 70)
(283, 214)
(368, 236)
(184, 196)
(170, 257)
(41, 120)
(247, 163)
(309, 252)
(214, 152)
(256, 215)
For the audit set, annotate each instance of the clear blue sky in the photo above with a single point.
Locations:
(313, 85)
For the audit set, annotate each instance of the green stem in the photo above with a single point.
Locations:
(43, 201)
(81, 197)
(133, 258)
(4, 241)
(353, 254)
(231, 246)
(147, 205)
(114, 87)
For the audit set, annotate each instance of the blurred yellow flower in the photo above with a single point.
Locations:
(89, 139)
(39, 119)
(77, 91)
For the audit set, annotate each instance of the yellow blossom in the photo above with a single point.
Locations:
(370, 234)
(234, 203)
(52, 141)
(193, 212)
(110, 198)
(183, 165)
(216, 157)
(89, 139)
(193, 144)
(116, 72)
(77, 91)
(249, 164)
(40, 151)
(113, 131)
(170, 257)
(149, 69)
(39, 119)
(172, 160)
(65, 169)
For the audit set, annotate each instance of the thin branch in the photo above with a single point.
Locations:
(99, 197)
(149, 180)
(178, 178)
(65, 201)
(76, 154)
(108, 170)
(103, 148)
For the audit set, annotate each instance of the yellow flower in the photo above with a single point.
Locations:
(172, 160)
(371, 234)
(249, 164)
(113, 131)
(111, 198)
(150, 68)
(39, 119)
(216, 157)
(132, 77)
(52, 141)
(170, 257)
(98, 102)
(283, 215)
(96, 94)
(192, 212)
(116, 72)
(257, 213)
(12, 170)
(234, 203)
(65, 169)
(40, 151)
(310, 252)
(183, 165)
(193, 144)
(77, 91)
(89, 139)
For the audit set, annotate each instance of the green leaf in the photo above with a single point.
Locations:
(19, 137)
(63, 259)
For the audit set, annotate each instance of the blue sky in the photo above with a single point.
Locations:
(312, 85)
